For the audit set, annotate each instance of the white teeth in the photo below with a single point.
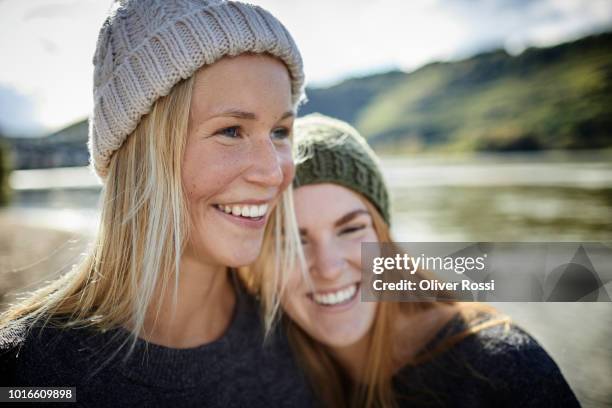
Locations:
(250, 211)
(330, 299)
(263, 209)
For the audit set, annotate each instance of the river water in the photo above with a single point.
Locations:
(539, 197)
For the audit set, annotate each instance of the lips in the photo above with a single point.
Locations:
(335, 297)
(251, 211)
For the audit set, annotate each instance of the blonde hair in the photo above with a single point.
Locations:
(142, 233)
(329, 379)
(266, 277)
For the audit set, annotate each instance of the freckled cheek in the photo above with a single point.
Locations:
(190, 184)
(207, 168)
(206, 181)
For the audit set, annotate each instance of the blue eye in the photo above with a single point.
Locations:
(231, 132)
(280, 133)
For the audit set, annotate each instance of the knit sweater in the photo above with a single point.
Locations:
(237, 370)
(492, 368)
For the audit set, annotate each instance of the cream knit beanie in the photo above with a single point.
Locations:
(145, 47)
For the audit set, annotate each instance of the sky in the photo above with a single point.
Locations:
(46, 46)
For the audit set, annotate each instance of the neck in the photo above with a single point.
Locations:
(411, 334)
(353, 357)
(203, 309)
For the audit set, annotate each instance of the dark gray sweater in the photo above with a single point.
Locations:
(491, 368)
(233, 371)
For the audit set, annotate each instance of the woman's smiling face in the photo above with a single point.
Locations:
(237, 158)
(333, 223)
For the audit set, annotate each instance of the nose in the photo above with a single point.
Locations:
(266, 168)
(328, 263)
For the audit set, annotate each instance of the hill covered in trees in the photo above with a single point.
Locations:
(545, 98)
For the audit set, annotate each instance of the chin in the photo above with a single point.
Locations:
(339, 334)
(241, 256)
(230, 251)
(349, 328)
(340, 339)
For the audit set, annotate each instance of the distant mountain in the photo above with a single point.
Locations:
(64, 148)
(545, 98)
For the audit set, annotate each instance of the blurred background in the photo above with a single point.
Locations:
(493, 120)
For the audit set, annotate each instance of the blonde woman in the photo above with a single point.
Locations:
(193, 109)
(389, 353)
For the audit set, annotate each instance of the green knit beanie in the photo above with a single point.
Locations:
(328, 150)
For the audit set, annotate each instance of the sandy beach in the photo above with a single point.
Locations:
(30, 256)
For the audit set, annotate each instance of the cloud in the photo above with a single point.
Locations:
(344, 38)
(50, 46)
(518, 24)
(50, 58)
(65, 9)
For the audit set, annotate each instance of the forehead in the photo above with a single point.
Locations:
(250, 82)
(323, 204)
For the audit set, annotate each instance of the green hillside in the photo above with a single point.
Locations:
(545, 98)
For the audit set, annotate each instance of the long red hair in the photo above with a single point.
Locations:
(334, 385)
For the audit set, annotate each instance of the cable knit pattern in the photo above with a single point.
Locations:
(331, 151)
(145, 47)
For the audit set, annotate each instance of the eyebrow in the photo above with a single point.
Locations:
(240, 114)
(349, 216)
(342, 220)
